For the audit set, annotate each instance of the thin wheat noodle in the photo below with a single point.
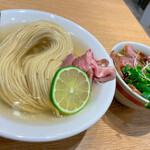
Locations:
(25, 76)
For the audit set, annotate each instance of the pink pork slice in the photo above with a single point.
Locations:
(98, 69)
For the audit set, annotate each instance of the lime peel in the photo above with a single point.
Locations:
(72, 99)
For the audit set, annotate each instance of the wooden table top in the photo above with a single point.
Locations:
(110, 22)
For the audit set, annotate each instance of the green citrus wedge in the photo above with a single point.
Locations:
(70, 89)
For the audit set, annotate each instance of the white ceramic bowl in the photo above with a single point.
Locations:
(123, 93)
(71, 125)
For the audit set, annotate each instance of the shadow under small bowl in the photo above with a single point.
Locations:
(124, 93)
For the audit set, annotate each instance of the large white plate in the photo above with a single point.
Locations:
(102, 94)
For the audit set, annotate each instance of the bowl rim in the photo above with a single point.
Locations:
(73, 132)
(144, 101)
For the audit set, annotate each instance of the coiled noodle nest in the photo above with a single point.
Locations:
(27, 68)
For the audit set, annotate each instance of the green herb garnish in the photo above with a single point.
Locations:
(125, 69)
(147, 105)
(146, 95)
(140, 78)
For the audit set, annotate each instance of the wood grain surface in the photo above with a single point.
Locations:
(111, 22)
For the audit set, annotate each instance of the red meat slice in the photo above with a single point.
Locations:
(94, 68)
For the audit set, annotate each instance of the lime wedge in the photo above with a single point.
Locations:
(70, 89)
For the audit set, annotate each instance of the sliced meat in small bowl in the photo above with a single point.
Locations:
(132, 64)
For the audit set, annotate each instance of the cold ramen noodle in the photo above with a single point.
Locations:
(134, 68)
(29, 59)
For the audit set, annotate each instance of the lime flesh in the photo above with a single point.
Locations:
(70, 89)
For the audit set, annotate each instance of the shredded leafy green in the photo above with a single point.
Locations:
(146, 95)
(147, 105)
(140, 78)
(125, 69)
